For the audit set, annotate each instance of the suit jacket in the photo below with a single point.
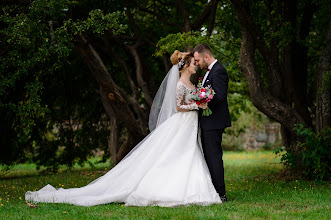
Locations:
(220, 118)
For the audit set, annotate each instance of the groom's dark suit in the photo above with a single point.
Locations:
(212, 127)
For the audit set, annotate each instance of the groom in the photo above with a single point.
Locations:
(212, 127)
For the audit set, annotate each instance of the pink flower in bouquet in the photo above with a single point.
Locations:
(202, 95)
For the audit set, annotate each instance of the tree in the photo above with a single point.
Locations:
(130, 109)
(39, 105)
(47, 46)
(44, 39)
(285, 37)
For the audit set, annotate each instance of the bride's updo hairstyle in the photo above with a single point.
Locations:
(182, 59)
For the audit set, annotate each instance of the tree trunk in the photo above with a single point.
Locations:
(271, 106)
(323, 109)
(211, 23)
(113, 136)
(113, 92)
(139, 73)
(186, 18)
(302, 64)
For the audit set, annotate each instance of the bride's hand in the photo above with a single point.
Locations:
(203, 105)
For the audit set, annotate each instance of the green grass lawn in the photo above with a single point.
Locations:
(254, 190)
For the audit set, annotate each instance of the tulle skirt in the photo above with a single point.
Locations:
(167, 168)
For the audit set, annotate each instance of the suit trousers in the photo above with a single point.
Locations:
(212, 148)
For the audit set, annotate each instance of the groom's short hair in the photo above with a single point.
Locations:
(202, 49)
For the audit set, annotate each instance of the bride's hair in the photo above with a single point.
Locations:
(182, 59)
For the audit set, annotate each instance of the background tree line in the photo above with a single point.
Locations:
(81, 75)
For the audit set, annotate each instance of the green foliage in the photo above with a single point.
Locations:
(96, 23)
(312, 156)
(31, 57)
(226, 50)
(179, 41)
(37, 45)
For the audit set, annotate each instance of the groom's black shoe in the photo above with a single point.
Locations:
(223, 198)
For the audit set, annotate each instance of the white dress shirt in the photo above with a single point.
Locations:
(207, 73)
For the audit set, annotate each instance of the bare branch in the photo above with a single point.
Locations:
(131, 20)
(51, 32)
(245, 17)
(204, 15)
(139, 68)
(123, 65)
(113, 137)
(183, 11)
(265, 102)
(108, 85)
(159, 17)
(211, 23)
(139, 73)
(142, 116)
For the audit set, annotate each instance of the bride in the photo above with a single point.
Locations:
(167, 168)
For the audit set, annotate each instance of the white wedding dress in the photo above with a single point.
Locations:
(166, 169)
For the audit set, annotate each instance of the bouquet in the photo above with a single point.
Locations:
(202, 95)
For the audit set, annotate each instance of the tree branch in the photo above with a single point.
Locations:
(142, 116)
(131, 20)
(159, 17)
(274, 73)
(211, 23)
(123, 65)
(185, 15)
(51, 32)
(108, 85)
(139, 73)
(266, 103)
(204, 15)
(113, 137)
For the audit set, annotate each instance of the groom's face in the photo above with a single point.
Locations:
(200, 60)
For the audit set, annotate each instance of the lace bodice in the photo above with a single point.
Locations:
(183, 97)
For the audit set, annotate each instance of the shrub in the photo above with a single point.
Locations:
(312, 156)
